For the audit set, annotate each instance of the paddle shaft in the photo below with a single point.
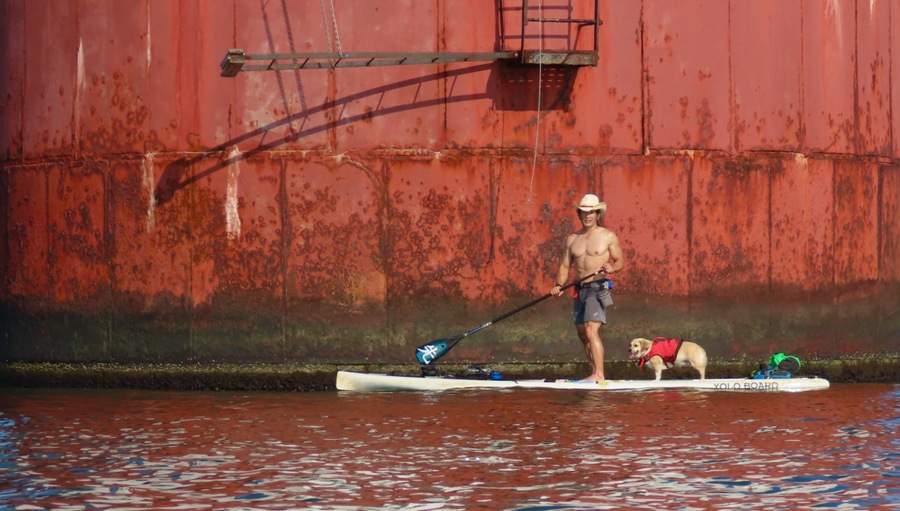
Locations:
(453, 341)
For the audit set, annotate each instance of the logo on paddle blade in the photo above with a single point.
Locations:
(428, 353)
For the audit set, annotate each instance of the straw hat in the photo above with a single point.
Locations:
(590, 202)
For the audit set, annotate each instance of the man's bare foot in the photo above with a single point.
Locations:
(592, 378)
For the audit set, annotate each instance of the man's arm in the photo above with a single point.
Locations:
(562, 275)
(616, 261)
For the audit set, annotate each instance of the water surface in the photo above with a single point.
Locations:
(481, 449)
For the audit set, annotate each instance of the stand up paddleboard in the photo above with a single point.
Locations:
(372, 382)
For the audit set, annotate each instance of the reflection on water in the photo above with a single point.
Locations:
(510, 449)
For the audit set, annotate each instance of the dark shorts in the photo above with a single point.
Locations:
(587, 306)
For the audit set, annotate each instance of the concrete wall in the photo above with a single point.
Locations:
(152, 210)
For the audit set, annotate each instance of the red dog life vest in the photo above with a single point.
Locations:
(666, 349)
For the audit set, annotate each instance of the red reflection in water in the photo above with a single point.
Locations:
(457, 450)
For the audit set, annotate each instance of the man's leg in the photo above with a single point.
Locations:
(585, 341)
(589, 333)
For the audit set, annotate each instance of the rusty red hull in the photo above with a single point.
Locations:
(153, 210)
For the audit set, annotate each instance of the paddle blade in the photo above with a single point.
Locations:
(432, 351)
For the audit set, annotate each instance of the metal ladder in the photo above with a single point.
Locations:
(237, 61)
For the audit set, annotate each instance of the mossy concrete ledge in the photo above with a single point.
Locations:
(321, 377)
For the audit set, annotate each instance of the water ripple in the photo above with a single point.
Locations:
(522, 451)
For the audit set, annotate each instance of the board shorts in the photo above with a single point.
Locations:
(588, 304)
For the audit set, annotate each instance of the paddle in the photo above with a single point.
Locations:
(429, 353)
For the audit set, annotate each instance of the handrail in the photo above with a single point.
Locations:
(596, 22)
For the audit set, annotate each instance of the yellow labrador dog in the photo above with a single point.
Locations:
(662, 353)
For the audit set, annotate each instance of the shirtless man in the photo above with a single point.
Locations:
(588, 250)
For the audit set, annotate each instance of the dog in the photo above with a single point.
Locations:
(662, 353)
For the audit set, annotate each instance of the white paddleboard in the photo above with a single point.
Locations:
(373, 382)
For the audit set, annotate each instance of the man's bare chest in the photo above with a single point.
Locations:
(590, 244)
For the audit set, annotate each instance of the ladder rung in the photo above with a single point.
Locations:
(563, 20)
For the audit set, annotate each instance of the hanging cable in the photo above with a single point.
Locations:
(334, 27)
(537, 124)
(325, 23)
(337, 37)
